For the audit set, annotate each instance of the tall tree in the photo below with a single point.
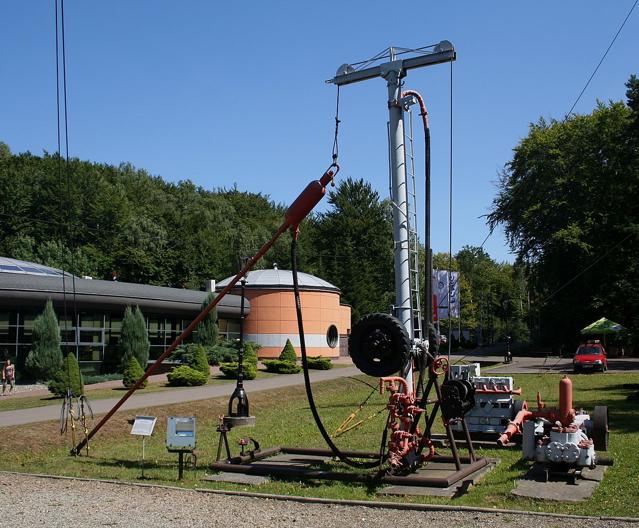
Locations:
(45, 358)
(207, 331)
(353, 247)
(134, 338)
(568, 202)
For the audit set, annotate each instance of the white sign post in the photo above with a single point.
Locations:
(143, 426)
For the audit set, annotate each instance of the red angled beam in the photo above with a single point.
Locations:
(298, 210)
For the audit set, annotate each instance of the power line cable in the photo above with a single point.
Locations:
(603, 57)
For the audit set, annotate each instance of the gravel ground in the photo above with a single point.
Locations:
(27, 501)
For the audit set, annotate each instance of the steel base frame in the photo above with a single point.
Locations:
(255, 463)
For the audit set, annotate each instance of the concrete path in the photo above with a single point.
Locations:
(539, 365)
(158, 399)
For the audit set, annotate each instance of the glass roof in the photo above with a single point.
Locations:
(9, 265)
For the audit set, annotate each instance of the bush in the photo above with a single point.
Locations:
(67, 378)
(229, 370)
(280, 366)
(99, 378)
(224, 352)
(185, 376)
(250, 353)
(319, 363)
(288, 352)
(201, 362)
(45, 358)
(132, 373)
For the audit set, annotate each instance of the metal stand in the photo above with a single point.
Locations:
(256, 463)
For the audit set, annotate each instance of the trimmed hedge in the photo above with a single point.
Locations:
(280, 366)
(132, 373)
(185, 376)
(319, 363)
(229, 370)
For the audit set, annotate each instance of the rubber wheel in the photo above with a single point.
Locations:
(600, 428)
(519, 405)
(379, 345)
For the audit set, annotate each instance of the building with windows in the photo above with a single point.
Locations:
(90, 312)
(273, 318)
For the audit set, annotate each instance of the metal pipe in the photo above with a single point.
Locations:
(399, 197)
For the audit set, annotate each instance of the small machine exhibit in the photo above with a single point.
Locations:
(181, 439)
(495, 404)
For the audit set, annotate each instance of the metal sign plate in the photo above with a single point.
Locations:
(143, 425)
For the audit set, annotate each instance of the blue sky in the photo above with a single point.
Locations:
(234, 93)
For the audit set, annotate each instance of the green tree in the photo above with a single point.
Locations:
(568, 203)
(134, 338)
(288, 352)
(45, 357)
(201, 362)
(207, 331)
(353, 247)
(68, 378)
(132, 373)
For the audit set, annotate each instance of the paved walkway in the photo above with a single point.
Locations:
(538, 365)
(179, 395)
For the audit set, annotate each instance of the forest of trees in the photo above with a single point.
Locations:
(106, 221)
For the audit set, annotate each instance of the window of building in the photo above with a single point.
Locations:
(332, 336)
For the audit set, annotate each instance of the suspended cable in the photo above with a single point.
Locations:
(602, 59)
(450, 211)
(59, 149)
(68, 177)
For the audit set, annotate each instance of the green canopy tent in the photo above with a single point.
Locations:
(602, 327)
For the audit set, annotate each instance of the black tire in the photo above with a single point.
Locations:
(600, 432)
(379, 345)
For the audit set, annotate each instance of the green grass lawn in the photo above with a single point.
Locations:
(283, 418)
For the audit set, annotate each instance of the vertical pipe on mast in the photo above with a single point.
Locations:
(399, 196)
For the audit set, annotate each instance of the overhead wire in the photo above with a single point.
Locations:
(603, 57)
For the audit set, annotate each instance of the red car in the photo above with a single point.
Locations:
(590, 356)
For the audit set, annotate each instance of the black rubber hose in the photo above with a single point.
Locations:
(307, 381)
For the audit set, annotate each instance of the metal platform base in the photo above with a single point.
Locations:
(299, 466)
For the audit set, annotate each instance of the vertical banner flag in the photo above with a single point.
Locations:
(440, 289)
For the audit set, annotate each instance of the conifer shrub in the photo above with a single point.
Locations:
(185, 376)
(134, 338)
(132, 373)
(45, 358)
(207, 332)
(201, 362)
(279, 366)
(67, 378)
(319, 363)
(288, 352)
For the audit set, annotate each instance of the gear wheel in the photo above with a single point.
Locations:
(379, 345)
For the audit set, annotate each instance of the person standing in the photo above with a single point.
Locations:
(8, 376)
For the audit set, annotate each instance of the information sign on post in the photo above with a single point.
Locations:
(143, 426)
